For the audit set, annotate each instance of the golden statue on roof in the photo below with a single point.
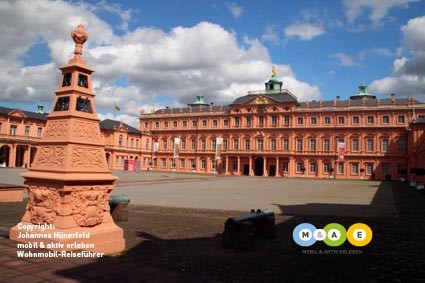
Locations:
(273, 71)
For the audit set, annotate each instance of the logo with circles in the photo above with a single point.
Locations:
(333, 234)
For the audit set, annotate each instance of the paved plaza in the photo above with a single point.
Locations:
(175, 222)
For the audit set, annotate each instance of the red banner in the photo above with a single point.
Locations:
(341, 152)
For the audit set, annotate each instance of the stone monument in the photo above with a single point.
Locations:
(69, 182)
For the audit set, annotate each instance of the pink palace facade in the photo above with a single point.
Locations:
(271, 133)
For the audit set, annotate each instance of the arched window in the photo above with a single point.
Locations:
(120, 140)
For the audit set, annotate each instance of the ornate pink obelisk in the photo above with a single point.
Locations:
(69, 183)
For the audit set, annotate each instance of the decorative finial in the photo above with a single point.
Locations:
(274, 71)
(79, 35)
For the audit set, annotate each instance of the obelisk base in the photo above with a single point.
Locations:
(106, 238)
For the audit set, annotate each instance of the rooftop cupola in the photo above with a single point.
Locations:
(40, 109)
(363, 94)
(199, 101)
(273, 84)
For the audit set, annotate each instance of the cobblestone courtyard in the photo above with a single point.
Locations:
(175, 222)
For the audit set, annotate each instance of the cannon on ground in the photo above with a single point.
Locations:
(240, 232)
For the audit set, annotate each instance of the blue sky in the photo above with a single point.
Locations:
(151, 54)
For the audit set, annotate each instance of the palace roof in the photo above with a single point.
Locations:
(28, 114)
(116, 125)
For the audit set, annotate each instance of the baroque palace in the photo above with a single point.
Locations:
(264, 133)
(271, 133)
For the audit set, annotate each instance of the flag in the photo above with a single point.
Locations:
(116, 107)
(341, 152)
(176, 147)
(155, 147)
(218, 147)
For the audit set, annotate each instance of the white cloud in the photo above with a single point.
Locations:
(271, 35)
(408, 71)
(378, 8)
(343, 59)
(304, 31)
(153, 68)
(234, 9)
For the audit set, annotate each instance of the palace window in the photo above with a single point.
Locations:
(164, 144)
(326, 145)
(300, 120)
(183, 144)
(401, 119)
(193, 144)
(385, 119)
(261, 120)
(273, 144)
(369, 145)
(163, 162)
(285, 166)
(341, 120)
(355, 168)
(213, 144)
(300, 167)
(247, 144)
(248, 121)
(235, 144)
(237, 121)
(260, 144)
(204, 123)
(370, 119)
(299, 144)
(192, 163)
(203, 144)
(203, 164)
(0, 127)
(385, 169)
(132, 143)
(117, 160)
(213, 164)
(182, 163)
(356, 120)
(355, 145)
(274, 120)
(313, 121)
(194, 124)
(156, 124)
(369, 168)
(326, 167)
(385, 145)
(184, 123)
(146, 125)
(312, 144)
(340, 168)
(13, 130)
(225, 123)
(215, 123)
(313, 167)
(165, 124)
(401, 145)
(39, 131)
(224, 143)
(120, 140)
(285, 144)
(287, 120)
(235, 165)
(27, 130)
(175, 124)
(147, 144)
(155, 162)
(327, 120)
(137, 143)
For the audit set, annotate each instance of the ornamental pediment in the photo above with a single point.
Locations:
(17, 114)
